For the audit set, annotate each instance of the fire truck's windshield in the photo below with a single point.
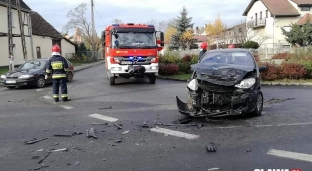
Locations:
(135, 40)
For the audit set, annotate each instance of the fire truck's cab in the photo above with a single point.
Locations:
(131, 50)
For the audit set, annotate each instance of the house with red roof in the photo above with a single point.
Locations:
(265, 18)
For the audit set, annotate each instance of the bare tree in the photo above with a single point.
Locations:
(77, 19)
(162, 25)
(117, 21)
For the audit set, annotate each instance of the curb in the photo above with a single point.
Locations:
(88, 66)
(262, 83)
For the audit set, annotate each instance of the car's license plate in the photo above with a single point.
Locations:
(10, 81)
(126, 62)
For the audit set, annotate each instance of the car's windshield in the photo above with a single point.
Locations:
(33, 65)
(232, 58)
(135, 40)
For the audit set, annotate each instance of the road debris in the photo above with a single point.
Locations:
(91, 133)
(211, 147)
(96, 123)
(126, 132)
(110, 107)
(179, 125)
(118, 141)
(182, 121)
(118, 126)
(248, 150)
(274, 100)
(41, 167)
(76, 163)
(44, 157)
(34, 141)
(63, 135)
(61, 149)
(35, 157)
(76, 133)
(213, 169)
(39, 150)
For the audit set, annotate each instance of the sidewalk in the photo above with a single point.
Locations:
(85, 66)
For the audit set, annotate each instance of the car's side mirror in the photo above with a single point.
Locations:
(262, 68)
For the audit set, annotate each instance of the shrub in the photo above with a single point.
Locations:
(292, 70)
(168, 69)
(251, 45)
(185, 67)
(271, 73)
(187, 58)
(169, 57)
(285, 56)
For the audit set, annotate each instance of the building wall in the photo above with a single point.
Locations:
(4, 48)
(45, 44)
(67, 48)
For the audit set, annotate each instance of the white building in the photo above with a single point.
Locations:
(265, 18)
(43, 34)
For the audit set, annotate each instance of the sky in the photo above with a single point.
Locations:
(141, 11)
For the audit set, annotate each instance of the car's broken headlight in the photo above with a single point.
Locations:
(3, 76)
(246, 83)
(193, 85)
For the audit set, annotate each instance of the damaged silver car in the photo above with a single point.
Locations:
(224, 82)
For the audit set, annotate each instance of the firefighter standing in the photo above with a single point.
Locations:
(57, 67)
(203, 46)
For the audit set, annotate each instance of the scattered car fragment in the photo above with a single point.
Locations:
(211, 147)
(91, 133)
(34, 141)
(224, 82)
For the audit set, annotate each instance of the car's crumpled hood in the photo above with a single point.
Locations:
(221, 74)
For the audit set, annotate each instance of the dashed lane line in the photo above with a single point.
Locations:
(290, 155)
(66, 107)
(102, 117)
(175, 133)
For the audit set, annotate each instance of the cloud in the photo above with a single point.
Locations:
(55, 11)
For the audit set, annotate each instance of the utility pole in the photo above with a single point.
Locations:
(21, 25)
(10, 36)
(93, 30)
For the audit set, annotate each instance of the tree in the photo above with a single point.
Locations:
(77, 19)
(299, 34)
(216, 30)
(160, 25)
(187, 38)
(117, 21)
(183, 23)
(169, 33)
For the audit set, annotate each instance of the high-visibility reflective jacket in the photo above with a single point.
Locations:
(57, 66)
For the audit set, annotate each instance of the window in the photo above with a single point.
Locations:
(305, 8)
(260, 15)
(26, 19)
(287, 28)
(266, 13)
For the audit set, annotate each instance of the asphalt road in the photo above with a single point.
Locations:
(243, 144)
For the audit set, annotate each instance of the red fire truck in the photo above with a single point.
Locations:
(131, 50)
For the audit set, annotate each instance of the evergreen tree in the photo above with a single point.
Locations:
(183, 23)
(299, 34)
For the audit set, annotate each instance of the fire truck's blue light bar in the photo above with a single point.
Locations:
(115, 24)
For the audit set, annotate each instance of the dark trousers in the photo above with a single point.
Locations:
(56, 84)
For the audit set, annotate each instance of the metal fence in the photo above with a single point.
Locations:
(268, 53)
(85, 56)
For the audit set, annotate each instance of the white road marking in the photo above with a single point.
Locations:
(290, 155)
(175, 133)
(213, 169)
(47, 97)
(102, 117)
(39, 89)
(66, 107)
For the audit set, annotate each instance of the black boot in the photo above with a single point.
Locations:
(65, 99)
(56, 99)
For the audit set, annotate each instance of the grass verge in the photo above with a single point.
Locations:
(179, 76)
(4, 70)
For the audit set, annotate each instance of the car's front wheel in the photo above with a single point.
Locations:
(259, 105)
(41, 82)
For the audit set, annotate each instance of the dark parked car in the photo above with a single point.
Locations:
(31, 73)
(224, 82)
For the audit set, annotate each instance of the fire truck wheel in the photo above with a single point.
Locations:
(152, 78)
(112, 80)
